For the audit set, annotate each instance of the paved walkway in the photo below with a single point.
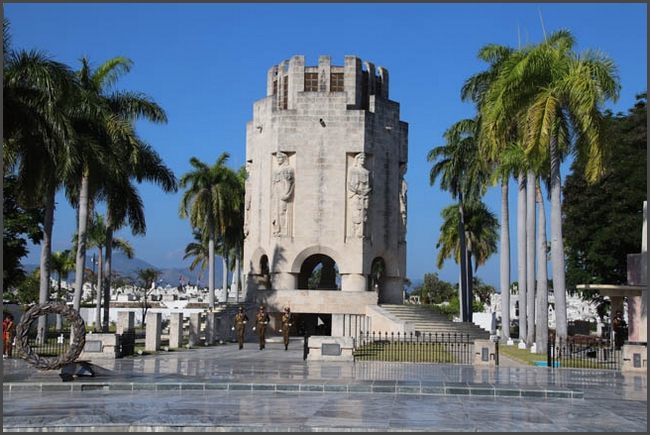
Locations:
(222, 388)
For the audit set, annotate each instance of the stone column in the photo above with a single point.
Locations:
(175, 330)
(195, 329)
(484, 352)
(210, 328)
(354, 282)
(337, 325)
(153, 331)
(284, 281)
(125, 321)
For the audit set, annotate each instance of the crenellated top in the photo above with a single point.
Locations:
(358, 80)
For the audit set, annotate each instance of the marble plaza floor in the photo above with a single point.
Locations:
(223, 389)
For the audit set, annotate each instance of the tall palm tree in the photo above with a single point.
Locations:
(207, 203)
(107, 132)
(97, 238)
(37, 134)
(123, 203)
(464, 175)
(555, 91)
(541, 297)
(481, 228)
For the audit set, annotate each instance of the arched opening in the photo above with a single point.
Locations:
(319, 272)
(377, 276)
(265, 272)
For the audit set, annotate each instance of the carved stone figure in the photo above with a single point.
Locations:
(359, 189)
(283, 185)
(402, 199)
(247, 197)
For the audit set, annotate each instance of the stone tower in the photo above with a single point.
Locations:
(326, 155)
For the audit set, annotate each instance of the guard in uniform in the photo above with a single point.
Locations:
(261, 320)
(286, 325)
(240, 324)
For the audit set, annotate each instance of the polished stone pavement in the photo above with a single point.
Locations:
(610, 401)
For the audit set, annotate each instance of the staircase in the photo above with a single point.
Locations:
(427, 321)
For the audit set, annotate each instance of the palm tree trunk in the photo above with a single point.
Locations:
(107, 272)
(557, 244)
(521, 255)
(98, 305)
(530, 257)
(59, 319)
(211, 267)
(504, 282)
(541, 302)
(81, 242)
(46, 255)
(224, 278)
(470, 287)
(463, 261)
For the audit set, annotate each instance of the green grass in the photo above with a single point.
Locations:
(411, 352)
(522, 355)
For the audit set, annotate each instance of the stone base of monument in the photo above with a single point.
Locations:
(635, 357)
(77, 369)
(325, 348)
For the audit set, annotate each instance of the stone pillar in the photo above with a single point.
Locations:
(153, 331)
(175, 330)
(352, 81)
(484, 352)
(337, 325)
(635, 358)
(284, 281)
(125, 321)
(353, 282)
(210, 328)
(195, 329)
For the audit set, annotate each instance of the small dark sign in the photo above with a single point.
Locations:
(485, 355)
(93, 346)
(330, 349)
(636, 360)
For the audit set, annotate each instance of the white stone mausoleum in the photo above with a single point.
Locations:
(325, 219)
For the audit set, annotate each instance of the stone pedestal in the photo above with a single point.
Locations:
(125, 321)
(484, 353)
(175, 330)
(324, 348)
(99, 346)
(153, 332)
(635, 358)
(195, 329)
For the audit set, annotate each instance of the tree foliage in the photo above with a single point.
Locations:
(603, 220)
(20, 225)
(433, 290)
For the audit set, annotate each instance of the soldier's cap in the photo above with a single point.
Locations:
(241, 308)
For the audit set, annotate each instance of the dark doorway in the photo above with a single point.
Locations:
(319, 272)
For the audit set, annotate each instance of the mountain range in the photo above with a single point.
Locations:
(124, 266)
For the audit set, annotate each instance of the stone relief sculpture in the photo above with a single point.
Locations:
(247, 196)
(402, 199)
(359, 189)
(283, 185)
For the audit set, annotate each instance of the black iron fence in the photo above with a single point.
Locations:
(584, 353)
(449, 348)
(53, 344)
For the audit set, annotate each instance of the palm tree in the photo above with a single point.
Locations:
(37, 133)
(481, 228)
(464, 175)
(199, 250)
(208, 203)
(97, 238)
(106, 129)
(61, 262)
(124, 205)
(541, 300)
(555, 91)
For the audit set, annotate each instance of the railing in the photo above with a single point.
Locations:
(584, 353)
(449, 348)
(54, 343)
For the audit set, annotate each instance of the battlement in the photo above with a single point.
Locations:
(358, 80)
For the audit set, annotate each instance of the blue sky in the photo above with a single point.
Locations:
(206, 64)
